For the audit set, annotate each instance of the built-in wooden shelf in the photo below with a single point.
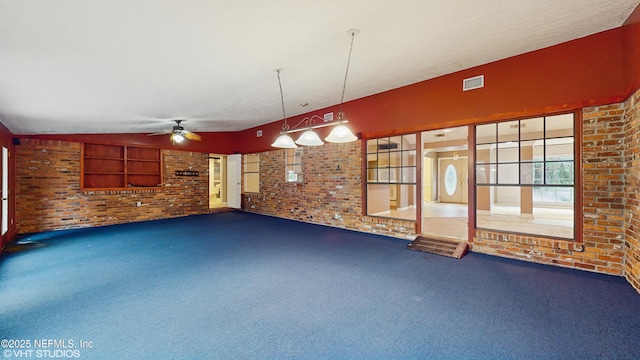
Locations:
(120, 167)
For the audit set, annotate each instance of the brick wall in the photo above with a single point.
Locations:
(48, 195)
(632, 190)
(327, 191)
(332, 185)
(603, 165)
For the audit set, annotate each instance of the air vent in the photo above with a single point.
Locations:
(387, 146)
(439, 135)
(475, 82)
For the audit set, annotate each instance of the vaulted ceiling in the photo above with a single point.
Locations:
(131, 66)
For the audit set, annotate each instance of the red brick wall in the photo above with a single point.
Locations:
(48, 195)
(632, 190)
(332, 185)
(603, 165)
(326, 191)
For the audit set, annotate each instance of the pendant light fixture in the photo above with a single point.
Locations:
(341, 133)
(284, 140)
(309, 138)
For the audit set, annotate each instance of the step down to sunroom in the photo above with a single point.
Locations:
(444, 247)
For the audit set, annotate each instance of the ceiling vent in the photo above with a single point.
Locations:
(475, 82)
(387, 146)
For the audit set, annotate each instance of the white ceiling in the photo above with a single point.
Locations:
(120, 66)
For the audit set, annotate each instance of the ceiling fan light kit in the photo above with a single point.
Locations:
(177, 138)
(178, 134)
(340, 134)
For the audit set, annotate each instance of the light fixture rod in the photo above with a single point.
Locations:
(353, 33)
(285, 126)
(316, 126)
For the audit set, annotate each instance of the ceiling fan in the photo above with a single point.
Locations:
(178, 134)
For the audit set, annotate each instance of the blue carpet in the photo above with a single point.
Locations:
(245, 286)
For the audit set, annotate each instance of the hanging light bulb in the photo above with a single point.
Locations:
(284, 140)
(177, 138)
(309, 138)
(341, 133)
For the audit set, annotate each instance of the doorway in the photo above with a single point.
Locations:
(445, 183)
(5, 190)
(217, 181)
(224, 181)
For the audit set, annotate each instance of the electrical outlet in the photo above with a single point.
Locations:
(139, 203)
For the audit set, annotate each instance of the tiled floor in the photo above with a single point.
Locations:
(451, 220)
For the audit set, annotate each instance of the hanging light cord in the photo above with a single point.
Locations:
(346, 73)
(285, 126)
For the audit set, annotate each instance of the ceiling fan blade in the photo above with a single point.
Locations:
(160, 133)
(191, 136)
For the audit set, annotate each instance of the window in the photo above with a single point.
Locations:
(391, 177)
(293, 168)
(252, 173)
(525, 177)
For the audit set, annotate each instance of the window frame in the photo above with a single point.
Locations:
(536, 163)
(248, 171)
(293, 165)
(394, 166)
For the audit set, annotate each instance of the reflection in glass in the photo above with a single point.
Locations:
(408, 175)
(508, 173)
(532, 129)
(508, 131)
(486, 134)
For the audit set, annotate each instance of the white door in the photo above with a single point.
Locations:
(453, 180)
(233, 180)
(5, 190)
